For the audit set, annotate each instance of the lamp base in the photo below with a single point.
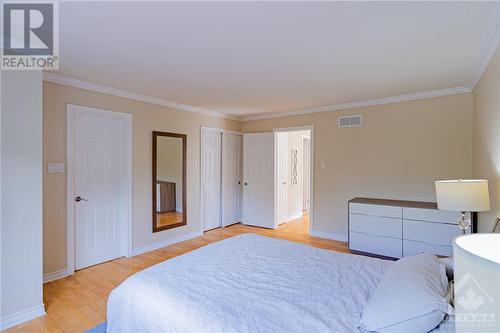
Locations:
(464, 223)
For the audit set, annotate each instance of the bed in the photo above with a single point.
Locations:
(247, 283)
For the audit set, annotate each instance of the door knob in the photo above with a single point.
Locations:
(79, 198)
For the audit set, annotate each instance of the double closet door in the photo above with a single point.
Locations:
(221, 170)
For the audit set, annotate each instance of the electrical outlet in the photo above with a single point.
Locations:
(323, 165)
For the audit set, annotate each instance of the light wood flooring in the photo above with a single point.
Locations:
(78, 302)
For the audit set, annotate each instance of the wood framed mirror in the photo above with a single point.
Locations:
(169, 180)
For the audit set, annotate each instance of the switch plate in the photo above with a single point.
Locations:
(55, 167)
(323, 165)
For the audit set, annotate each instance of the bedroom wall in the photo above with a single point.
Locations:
(398, 153)
(146, 118)
(21, 197)
(487, 138)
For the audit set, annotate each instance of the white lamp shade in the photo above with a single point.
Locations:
(468, 195)
(477, 283)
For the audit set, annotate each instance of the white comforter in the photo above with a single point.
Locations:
(247, 283)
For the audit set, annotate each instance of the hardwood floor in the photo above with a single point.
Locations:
(78, 302)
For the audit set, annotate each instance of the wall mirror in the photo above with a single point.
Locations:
(169, 180)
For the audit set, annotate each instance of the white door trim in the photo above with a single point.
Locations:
(70, 190)
(311, 168)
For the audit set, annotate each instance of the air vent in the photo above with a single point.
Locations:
(355, 120)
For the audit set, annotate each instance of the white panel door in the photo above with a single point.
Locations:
(211, 142)
(259, 182)
(281, 176)
(231, 178)
(99, 170)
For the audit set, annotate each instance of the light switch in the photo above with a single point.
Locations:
(55, 167)
(323, 165)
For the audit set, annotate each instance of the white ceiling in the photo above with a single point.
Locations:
(248, 58)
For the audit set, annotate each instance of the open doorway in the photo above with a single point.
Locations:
(293, 179)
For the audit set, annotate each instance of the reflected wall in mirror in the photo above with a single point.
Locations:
(169, 180)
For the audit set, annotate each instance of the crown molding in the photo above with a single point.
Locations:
(67, 81)
(365, 103)
(488, 49)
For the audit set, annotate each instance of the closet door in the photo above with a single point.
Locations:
(211, 144)
(258, 180)
(231, 178)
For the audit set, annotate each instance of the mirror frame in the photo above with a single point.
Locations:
(157, 134)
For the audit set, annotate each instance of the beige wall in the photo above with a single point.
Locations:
(401, 150)
(21, 197)
(398, 153)
(146, 118)
(487, 138)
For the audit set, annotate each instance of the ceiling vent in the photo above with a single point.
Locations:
(355, 120)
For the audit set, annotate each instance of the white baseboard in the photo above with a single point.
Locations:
(329, 235)
(167, 242)
(294, 217)
(62, 273)
(21, 316)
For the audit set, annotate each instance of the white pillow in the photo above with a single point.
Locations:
(449, 265)
(409, 298)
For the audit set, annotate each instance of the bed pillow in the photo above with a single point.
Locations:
(449, 265)
(409, 298)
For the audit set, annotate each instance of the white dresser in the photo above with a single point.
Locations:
(396, 228)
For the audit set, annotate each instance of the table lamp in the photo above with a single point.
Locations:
(477, 283)
(463, 195)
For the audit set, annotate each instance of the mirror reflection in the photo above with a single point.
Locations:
(169, 181)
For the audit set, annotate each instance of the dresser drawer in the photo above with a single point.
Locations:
(411, 248)
(376, 210)
(376, 225)
(430, 215)
(429, 232)
(385, 246)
